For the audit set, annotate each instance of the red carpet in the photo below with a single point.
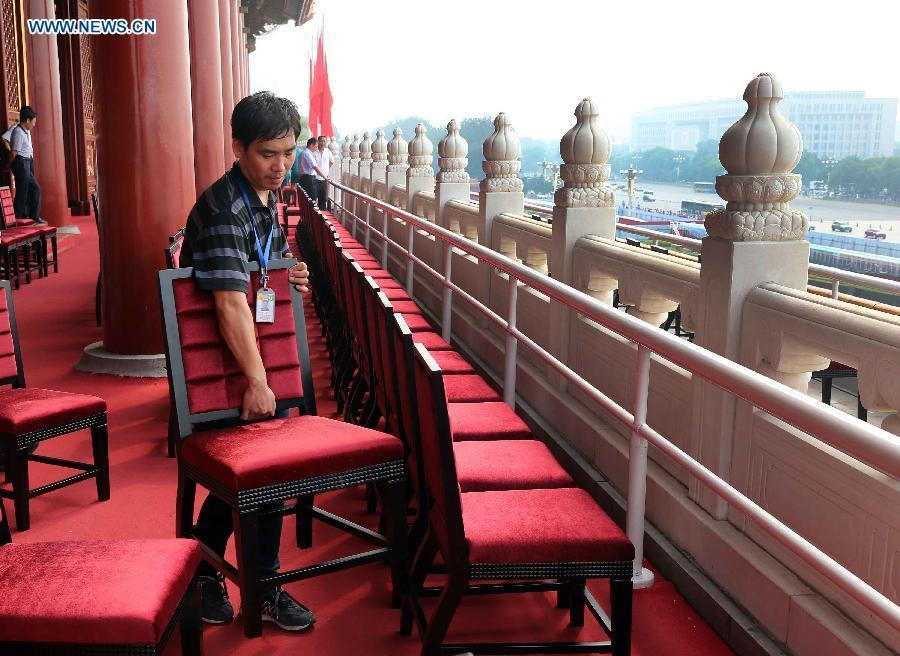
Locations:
(56, 320)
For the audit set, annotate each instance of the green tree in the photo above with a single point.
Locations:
(475, 130)
(538, 185)
(533, 153)
(810, 167)
(658, 164)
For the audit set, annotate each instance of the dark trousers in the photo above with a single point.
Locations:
(322, 194)
(308, 184)
(27, 204)
(215, 525)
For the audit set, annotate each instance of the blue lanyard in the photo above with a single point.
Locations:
(262, 255)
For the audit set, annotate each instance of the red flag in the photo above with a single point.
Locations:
(313, 107)
(320, 99)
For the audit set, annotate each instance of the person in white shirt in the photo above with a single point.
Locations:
(309, 169)
(27, 204)
(324, 158)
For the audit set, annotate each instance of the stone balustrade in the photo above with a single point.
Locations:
(747, 302)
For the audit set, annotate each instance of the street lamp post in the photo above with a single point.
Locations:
(678, 160)
(631, 174)
(829, 164)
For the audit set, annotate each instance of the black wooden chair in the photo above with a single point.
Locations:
(253, 467)
(115, 598)
(29, 416)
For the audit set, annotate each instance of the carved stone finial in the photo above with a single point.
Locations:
(379, 147)
(345, 148)
(365, 147)
(501, 158)
(453, 151)
(759, 152)
(585, 149)
(333, 147)
(420, 153)
(354, 148)
(397, 153)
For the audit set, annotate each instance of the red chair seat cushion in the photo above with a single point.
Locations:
(485, 421)
(394, 293)
(468, 388)
(417, 323)
(31, 409)
(431, 341)
(406, 307)
(507, 465)
(452, 362)
(541, 526)
(379, 274)
(283, 450)
(111, 592)
(390, 283)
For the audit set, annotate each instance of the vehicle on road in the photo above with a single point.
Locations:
(649, 196)
(699, 207)
(874, 233)
(841, 226)
(705, 187)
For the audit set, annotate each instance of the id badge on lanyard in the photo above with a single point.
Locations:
(265, 296)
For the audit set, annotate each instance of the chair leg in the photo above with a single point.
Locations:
(55, 248)
(576, 602)
(184, 506)
(246, 542)
(563, 595)
(100, 444)
(190, 624)
(304, 522)
(394, 501)
(449, 601)
(172, 434)
(620, 598)
(17, 472)
(419, 570)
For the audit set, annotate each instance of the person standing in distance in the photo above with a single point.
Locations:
(233, 223)
(27, 204)
(324, 160)
(309, 169)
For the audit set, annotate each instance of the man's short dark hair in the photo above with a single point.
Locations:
(264, 116)
(27, 112)
(311, 141)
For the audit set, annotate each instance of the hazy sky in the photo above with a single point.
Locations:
(536, 60)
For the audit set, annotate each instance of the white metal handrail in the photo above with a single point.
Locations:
(858, 439)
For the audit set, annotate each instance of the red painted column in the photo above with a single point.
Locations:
(46, 98)
(242, 41)
(145, 163)
(236, 51)
(206, 93)
(225, 71)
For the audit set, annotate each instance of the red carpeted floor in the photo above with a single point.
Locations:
(56, 320)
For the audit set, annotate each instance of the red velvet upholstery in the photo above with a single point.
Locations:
(123, 592)
(280, 450)
(214, 380)
(8, 367)
(431, 341)
(507, 465)
(417, 323)
(452, 362)
(370, 265)
(486, 421)
(468, 388)
(378, 274)
(406, 307)
(389, 283)
(540, 526)
(31, 409)
(393, 293)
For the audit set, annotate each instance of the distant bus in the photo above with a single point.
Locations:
(699, 207)
(705, 187)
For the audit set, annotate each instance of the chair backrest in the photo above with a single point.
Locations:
(7, 211)
(173, 250)
(438, 462)
(205, 380)
(11, 370)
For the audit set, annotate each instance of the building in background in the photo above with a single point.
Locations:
(834, 124)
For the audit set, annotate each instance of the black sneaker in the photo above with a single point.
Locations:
(288, 613)
(40, 221)
(214, 600)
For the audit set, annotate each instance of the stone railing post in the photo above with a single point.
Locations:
(345, 159)
(379, 160)
(584, 206)
(756, 239)
(335, 172)
(395, 175)
(501, 190)
(364, 172)
(354, 161)
(420, 174)
(452, 180)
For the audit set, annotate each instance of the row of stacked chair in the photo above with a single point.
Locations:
(25, 246)
(487, 497)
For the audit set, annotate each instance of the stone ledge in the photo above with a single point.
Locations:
(96, 359)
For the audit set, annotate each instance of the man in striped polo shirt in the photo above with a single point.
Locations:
(230, 226)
